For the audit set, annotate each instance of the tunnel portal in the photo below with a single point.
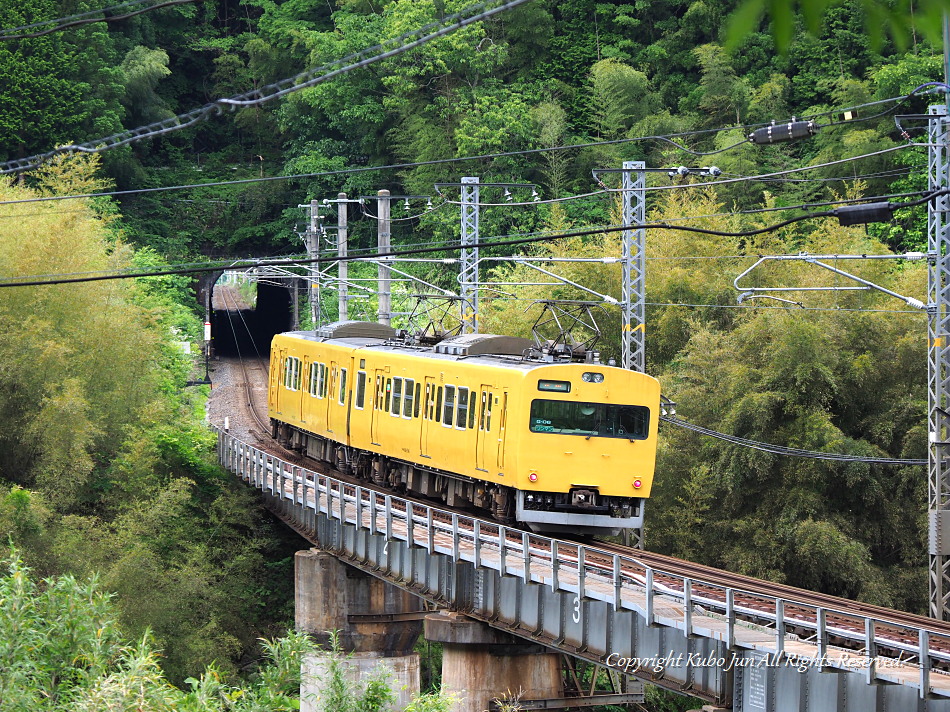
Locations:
(240, 330)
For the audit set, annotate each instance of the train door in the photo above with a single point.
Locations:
(379, 390)
(330, 399)
(321, 393)
(428, 413)
(338, 399)
(276, 379)
(306, 402)
(482, 437)
(502, 427)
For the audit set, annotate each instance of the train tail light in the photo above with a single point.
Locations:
(533, 477)
(637, 484)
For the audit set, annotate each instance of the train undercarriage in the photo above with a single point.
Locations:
(548, 512)
(399, 476)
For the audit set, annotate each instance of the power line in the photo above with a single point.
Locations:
(401, 166)
(789, 451)
(31, 281)
(256, 97)
(86, 18)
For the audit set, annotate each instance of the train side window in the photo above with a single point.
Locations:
(360, 389)
(292, 373)
(488, 412)
(342, 386)
(462, 416)
(379, 393)
(471, 410)
(312, 379)
(409, 398)
(321, 380)
(389, 393)
(397, 396)
(438, 403)
(449, 406)
(418, 399)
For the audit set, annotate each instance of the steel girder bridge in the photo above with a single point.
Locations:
(734, 646)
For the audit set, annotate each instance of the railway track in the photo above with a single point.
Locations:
(796, 611)
(254, 371)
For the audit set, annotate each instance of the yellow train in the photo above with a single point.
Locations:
(471, 421)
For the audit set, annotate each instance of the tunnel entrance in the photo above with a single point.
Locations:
(240, 330)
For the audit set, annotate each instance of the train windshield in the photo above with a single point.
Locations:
(600, 420)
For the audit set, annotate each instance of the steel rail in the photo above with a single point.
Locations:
(841, 631)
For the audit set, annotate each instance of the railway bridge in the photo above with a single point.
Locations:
(511, 602)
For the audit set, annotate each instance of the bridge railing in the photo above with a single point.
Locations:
(836, 637)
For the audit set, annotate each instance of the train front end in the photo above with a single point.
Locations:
(587, 447)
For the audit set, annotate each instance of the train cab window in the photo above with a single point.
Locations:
(389, 393)
(408, 398)
(418, 399)
(360, 389)
(471, 410)
(397, 396)
(438, 403)
(600, 420)
(342, 386)
(449, 406)
(462, 416)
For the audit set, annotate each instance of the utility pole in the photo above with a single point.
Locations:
(938, 365)
(633, 267)
(468, 257)
(341, 247)
(384, 246)
(313, 251)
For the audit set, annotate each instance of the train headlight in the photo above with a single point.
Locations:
(592, 377)
(637, 484)
(533, 477)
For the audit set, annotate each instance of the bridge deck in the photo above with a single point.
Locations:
(724, 644)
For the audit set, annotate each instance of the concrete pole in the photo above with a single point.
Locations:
(364, 611)
(342, 266)
(313, 249)
(384, 245)
(295, 294)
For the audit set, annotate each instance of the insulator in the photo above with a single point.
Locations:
(789, 131)
(865, 213)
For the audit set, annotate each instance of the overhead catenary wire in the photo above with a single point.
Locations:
(36, 280)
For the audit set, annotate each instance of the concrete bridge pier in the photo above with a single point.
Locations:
(480, 663)
(373, 619)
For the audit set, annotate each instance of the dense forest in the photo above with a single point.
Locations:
(105, 463)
